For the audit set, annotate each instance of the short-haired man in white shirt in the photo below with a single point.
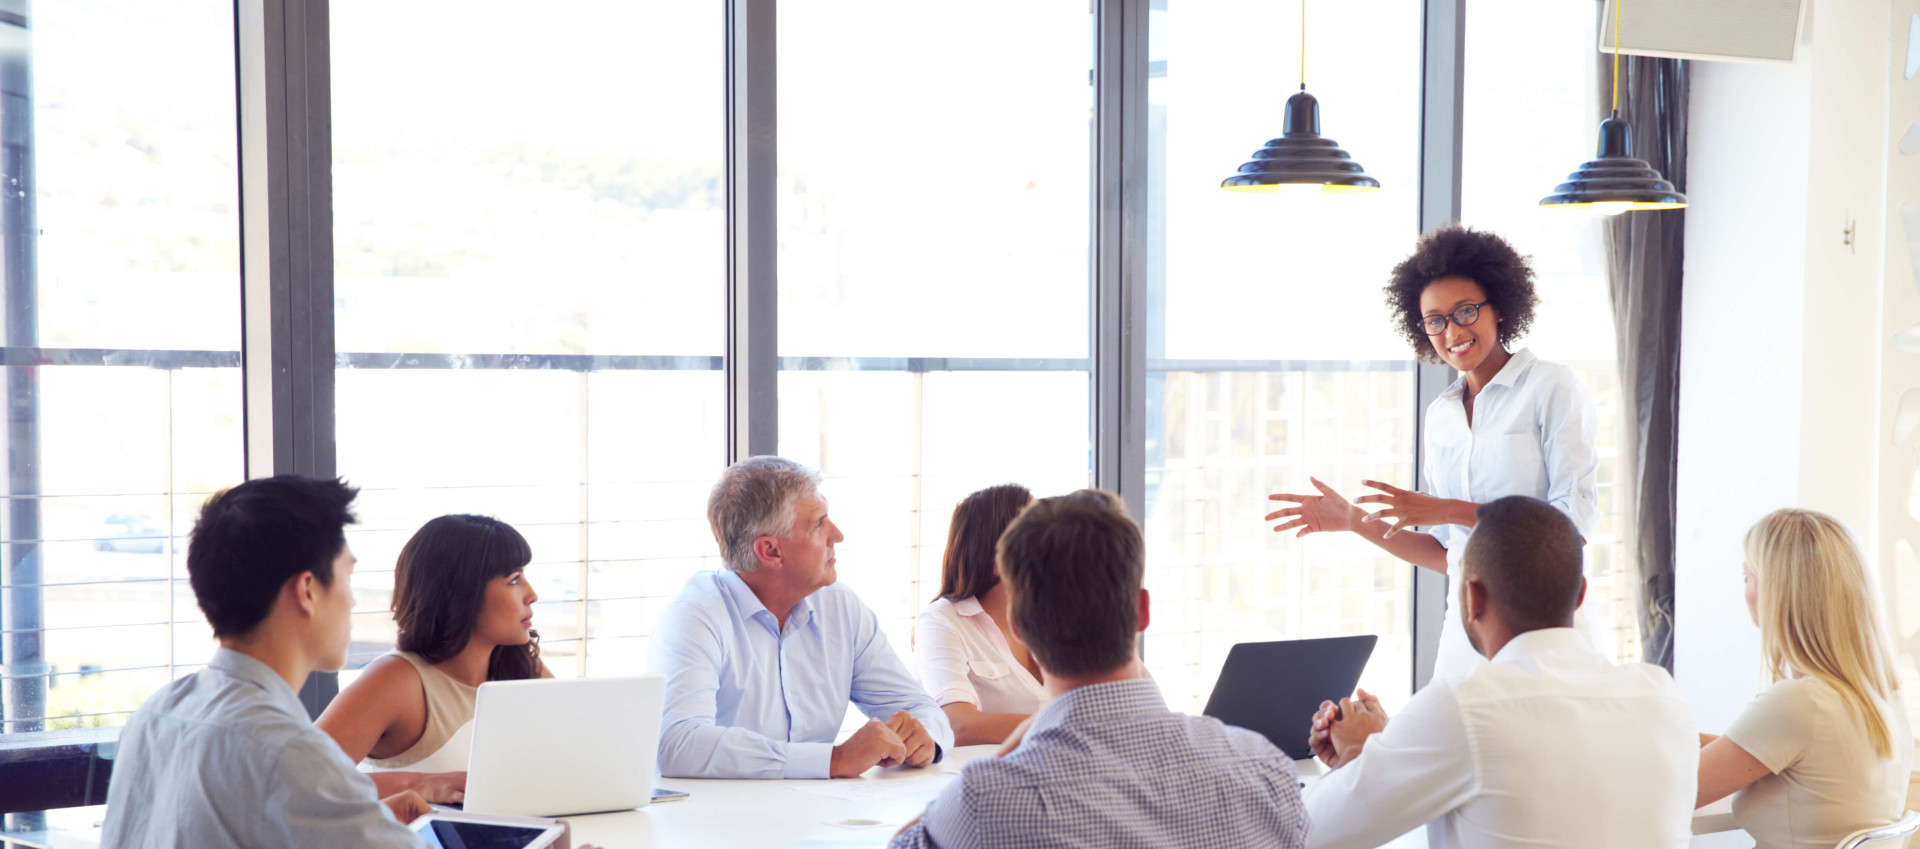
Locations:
(1547, 745)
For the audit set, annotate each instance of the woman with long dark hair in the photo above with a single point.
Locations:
(966, 653)
(465, 612)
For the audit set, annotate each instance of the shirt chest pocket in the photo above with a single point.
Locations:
(988, 670)
(1509, 464)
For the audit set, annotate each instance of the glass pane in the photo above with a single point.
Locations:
(1270, 355)
(1511, 159)
(530, 301)
(934, 271)
(562, 195)
(938, 207)
(121, 293)
(134, 159)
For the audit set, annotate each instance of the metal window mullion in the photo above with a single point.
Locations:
(286, 200)
(286, 246)
(1119, 273)
(1441, 107)
(752, 353)
(585, 504)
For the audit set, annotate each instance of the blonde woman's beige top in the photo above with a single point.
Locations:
(443, 746)
(1827, 781)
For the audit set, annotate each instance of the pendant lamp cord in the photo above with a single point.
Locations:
(1303, 50)
(1616, 57)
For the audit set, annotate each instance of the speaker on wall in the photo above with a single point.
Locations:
(1714, 30)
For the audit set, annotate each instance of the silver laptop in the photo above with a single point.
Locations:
(549, 747)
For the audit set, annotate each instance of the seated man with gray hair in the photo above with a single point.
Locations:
(763, 657)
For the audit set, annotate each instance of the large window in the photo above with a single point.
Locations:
(120, 223)
(529, 240)
(933, 268)
(530, 265)
(1271, 357)
(1512, 158)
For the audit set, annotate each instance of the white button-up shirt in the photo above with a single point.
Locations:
(1532, 434)
(963, 657)
(747, 698)
(1549, 746)
(226, 758)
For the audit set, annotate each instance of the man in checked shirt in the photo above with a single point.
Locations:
(1105, 763)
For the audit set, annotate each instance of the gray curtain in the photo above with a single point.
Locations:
(1644, 252)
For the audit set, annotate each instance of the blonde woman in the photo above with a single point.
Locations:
(1826, 750)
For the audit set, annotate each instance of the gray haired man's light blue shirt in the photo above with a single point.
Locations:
(227, 758)
(750, 698)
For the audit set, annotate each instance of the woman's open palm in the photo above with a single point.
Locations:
(1321, 513)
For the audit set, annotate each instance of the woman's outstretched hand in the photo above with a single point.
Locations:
(1314, 514)
(1406, 509)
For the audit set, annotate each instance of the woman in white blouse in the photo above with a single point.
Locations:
(1826, 750)
(965, 651)
(1512, 424)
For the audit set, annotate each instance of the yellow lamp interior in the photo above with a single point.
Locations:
(1615, 207)
(1301, 188)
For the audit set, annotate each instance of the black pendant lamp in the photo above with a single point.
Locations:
(1301, 160)
(1615, 182)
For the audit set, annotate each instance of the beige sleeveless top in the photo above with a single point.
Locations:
(443, 746)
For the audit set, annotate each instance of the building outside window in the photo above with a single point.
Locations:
(1511, 159)
(529, 308)
(119, 212)
(1271, 355)
(529, 299)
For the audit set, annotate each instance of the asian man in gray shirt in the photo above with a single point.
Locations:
(227, 757)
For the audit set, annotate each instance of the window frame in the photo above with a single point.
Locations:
(1442, 112)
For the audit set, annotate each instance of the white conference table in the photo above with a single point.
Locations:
(847, 813)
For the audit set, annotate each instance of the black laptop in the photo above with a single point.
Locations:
(1275, 688)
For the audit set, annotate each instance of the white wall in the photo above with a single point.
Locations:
(1740, 366)
(1779, 374)
(1840, 400)
(1899, 531)
(1780, 364)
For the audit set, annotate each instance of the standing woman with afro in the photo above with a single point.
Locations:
(1512, 424)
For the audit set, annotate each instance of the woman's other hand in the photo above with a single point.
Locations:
(1406, 509)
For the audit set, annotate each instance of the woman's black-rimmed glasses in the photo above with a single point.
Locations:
(1464, 315)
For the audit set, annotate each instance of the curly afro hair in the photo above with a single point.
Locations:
(1477, 255)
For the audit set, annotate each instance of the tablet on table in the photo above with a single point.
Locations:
(451, 830)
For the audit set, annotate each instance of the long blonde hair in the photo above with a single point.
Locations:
(1816, 611)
